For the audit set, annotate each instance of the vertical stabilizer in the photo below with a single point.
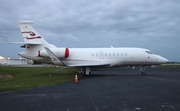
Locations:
(29, 34)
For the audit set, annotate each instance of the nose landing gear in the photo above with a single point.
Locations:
(143, 71)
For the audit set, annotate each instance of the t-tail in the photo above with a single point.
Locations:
(33, 41)
(30, 35)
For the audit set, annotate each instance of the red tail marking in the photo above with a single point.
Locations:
(25, 32)
(32, 33)
(27, 47)
(33, 37)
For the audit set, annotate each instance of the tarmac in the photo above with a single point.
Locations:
(106, 89)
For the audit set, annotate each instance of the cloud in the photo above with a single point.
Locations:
(92, 23)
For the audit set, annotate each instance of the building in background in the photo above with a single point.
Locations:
(14, 61)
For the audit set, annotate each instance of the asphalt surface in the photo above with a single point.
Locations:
(105, 90)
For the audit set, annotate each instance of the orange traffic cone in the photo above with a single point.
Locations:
(76, 79)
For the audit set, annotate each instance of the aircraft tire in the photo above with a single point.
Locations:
(143, 74)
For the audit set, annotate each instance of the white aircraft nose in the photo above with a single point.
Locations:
(162, 59)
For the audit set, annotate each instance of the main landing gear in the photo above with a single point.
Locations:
(143, 71)
(85, 70)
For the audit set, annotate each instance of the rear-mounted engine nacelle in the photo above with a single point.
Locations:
(59, 52)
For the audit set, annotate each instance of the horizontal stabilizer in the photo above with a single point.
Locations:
(31, 43)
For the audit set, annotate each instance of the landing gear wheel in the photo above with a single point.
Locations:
(88, 74)
(143, 74)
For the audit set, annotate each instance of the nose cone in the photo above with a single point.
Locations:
(162, 60)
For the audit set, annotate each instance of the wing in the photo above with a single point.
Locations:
(89, 64)
(53, 57)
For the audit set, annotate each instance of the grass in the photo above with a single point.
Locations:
(169, 65)
(21, 78)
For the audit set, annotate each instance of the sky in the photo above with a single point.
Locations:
(150, 24)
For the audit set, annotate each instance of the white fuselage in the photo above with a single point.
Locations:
(38, 49)
(103, 57)
(114, 56)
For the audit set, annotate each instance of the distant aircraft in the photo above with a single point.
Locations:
(38, 49)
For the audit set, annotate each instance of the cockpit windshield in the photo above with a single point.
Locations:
(149, 52)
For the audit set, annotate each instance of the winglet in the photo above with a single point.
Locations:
(54, 58)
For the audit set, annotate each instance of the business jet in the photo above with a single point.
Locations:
(38, 49)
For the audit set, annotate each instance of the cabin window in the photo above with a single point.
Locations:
(106, 54)
(121, 54)
(109, 54)
(113, 54)
(96, 54)
(125, 54)
(92, 54)
(117, 54)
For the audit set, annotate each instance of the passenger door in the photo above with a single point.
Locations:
(101, 54)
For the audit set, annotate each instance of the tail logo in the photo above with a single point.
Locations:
(33, 37)
(32, 33)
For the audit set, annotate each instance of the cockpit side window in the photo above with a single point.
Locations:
(148, 52)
